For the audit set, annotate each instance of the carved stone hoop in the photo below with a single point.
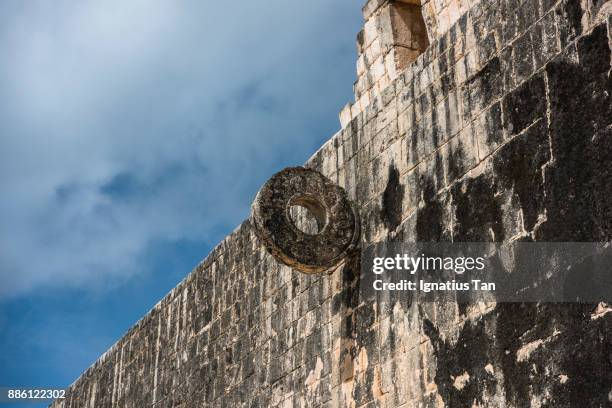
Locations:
(334, 213)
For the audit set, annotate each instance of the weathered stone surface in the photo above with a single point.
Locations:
(499, 131)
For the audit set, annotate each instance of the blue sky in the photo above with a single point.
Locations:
(133, 137)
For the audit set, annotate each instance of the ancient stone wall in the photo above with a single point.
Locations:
(500, 130)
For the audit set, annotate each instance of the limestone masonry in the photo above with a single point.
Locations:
(473, 121)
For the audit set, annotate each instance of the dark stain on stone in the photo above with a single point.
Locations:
(580, 351)
(462, 307)
(569, 21)
(486, 85)
(438, 171)
(523, 56)
(360, 38)
(470, 354)
(513, 321)
(585, 349)
(586, 279)
(295, 286)
(348, 297)
(447, 81)
(524, 105)
(363, 388)
(594, 54)
(429, 217)
(578, 187)
(574, 346)
(518, 168)
(436, 130)
(477, 211)
(456, 162)
(392, 200)
(493, 125)
(366, 334)
(425, 102)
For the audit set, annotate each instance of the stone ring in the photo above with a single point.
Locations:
(337, 221)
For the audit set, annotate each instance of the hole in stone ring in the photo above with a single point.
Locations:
(307, 214)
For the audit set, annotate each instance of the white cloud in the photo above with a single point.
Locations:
(128, 122)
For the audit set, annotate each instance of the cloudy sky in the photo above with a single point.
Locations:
(133, 137)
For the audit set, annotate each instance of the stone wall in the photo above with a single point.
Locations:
(395, 33)
(499, 131)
